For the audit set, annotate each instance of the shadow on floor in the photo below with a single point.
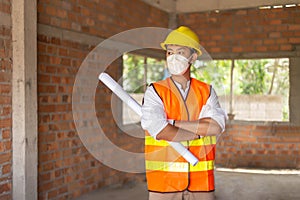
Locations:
(230, 185)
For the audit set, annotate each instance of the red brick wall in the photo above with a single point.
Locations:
(100, 17)
(249, 30)
(66, 168)
(259, 146)
(57, 66)
(5, 104)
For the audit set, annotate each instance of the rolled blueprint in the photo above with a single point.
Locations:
(121, 93)
(136, 107)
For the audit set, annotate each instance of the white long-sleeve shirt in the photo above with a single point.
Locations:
(154, 118)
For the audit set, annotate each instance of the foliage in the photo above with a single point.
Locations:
(252, 76)
(216, 73)
(134, 71)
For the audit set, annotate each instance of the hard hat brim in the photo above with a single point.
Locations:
(163, 46)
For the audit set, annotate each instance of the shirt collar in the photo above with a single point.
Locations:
(180, 87)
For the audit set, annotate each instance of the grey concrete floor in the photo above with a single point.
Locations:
(230, 185)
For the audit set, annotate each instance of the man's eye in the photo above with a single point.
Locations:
(169, 53)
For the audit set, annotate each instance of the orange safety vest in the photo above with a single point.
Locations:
(166, 170)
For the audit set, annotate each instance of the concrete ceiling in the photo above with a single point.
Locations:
(186, 6)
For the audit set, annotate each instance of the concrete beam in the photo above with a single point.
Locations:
(24, 100)
(186, 6)
(173, 22)
(253, 55)
(165, 5)
(92, 40)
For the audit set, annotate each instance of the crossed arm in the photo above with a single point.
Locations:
(211, 122)
(189, 130)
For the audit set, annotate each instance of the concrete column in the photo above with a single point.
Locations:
(24, 99)
(294, 90)
(173, 20)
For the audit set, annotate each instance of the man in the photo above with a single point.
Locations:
(181, 109)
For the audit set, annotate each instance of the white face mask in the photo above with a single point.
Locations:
(177, 64)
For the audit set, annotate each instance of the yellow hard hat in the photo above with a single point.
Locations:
(183, 36)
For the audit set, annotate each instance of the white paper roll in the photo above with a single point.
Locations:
(184, 152)
(136, 107)
(121, 93)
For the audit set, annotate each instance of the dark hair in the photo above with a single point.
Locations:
(192, 50)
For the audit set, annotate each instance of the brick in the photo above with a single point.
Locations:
(46, 186)
(45, 19)
(281, 41)
(66, 5)
(294, 27)
(66, 61)
(7, 145)
(49, 158)
(6, 134)
(4, 123)
(44, 78)
(5, 100)
(6, 169)
(63, 52)
(52, 194)
(5, 77)
(65, 24)
(294, 40)
(5, 89)
(244, 139)
(61, 13)
(51, 50)
(241, 12)
(48, 166)
(47, 89)
(5, 187)
(215, 50)
(54, 21)
(41, 48)
(287, 47)
(43, 59)
(50, 10)
(5, 157)
(43, 128)
(5, 8)
(55, 41)
(273, 48)
(1, 147)
(275, 35)
(280, 146)
(269, 41)
(47, 137)
(237, 49)
(45, 177)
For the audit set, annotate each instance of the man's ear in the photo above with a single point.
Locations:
(194, 57)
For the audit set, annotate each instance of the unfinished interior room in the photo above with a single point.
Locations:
(65, 135)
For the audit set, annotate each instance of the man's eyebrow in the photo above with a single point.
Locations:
(180, 48)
